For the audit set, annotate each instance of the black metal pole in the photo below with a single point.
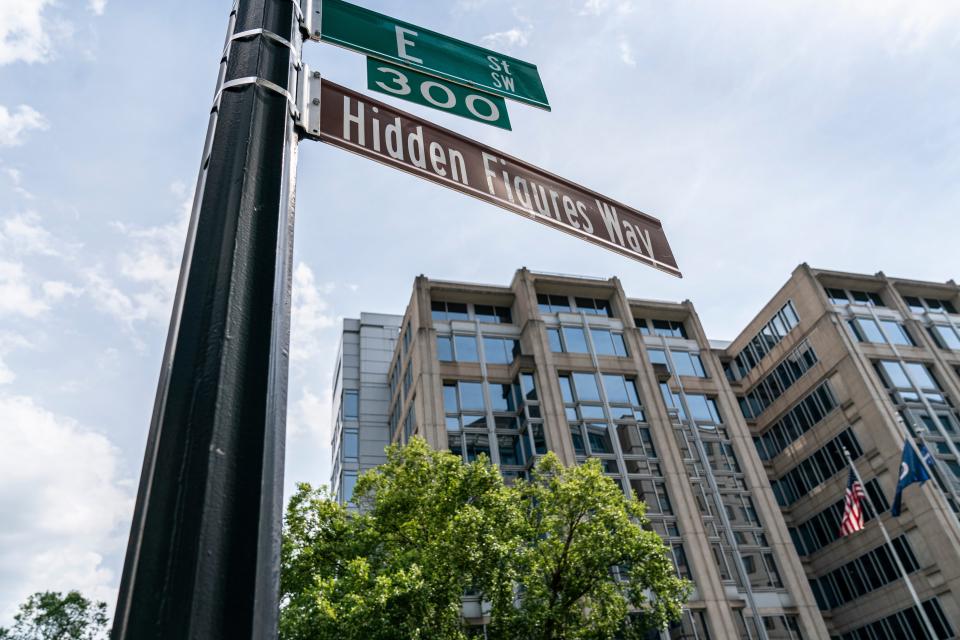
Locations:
(203, 556)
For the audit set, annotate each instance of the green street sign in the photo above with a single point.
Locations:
(432, 53)
(439, 94)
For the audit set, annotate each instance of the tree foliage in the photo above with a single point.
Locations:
(51, 615)
(544, 555)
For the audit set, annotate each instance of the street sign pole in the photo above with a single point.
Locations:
(204, 551)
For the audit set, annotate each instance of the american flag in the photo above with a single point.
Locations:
(852, 513)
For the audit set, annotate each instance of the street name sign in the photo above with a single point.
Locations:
(430, 52)
(375, 130)
(439, 94)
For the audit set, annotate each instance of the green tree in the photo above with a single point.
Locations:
(543, 554)
(586, 568)
(429, 528)
(50, 615)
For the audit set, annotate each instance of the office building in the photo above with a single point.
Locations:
(867, 363)
(574, 366)
(360, 398)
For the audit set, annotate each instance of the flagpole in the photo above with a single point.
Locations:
(893, 550)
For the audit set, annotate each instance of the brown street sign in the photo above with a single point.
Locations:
(373, 129)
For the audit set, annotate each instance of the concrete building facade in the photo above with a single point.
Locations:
(360, 398)
(574, 366)
(867, 363)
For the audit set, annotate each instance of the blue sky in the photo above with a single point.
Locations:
(763, 134)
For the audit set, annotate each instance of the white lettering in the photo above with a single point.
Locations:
(570, 208)
(437, 159)
(611, 221)
(458, 167)
(403, 43)
(587, 225)
(493, 111)
(487, 160)
(494, 64)
(394, 144)
(523, 192)
(540, 200)
(631, 236)
(556, 209)
(416, 150)
(349, 118)
(426, 89)
(403, 85)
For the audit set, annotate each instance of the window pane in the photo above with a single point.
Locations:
(495, 350)
(450, 404)
(471, 396)
(586, 386)
(553, 336)
(602, 342)
(457, 311)
(444, 349)
(501, 397)
(566, 389)
(485, 313)
(837, 296)
(895, 374)
(347, 486)
(529, 386)
(616, 389)
(619, 345)
(466, 348)
(351, 404)
(351, 445)
(438, 310)
(560, 304)
(868, 331)
(575, 340)
(947, 337)
(914, 303)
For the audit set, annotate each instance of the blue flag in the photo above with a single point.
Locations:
(911, 470)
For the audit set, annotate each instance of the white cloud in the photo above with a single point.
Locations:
(63, 502)
(17, 296)
(24, 233)
(310, 315)
(149, 270)
(599, 7)
(515, 37)
(14, 125)
(23, 34)
(8, 343)
(97, 6)
(626, 54)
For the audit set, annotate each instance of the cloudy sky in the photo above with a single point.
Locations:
(764, 133)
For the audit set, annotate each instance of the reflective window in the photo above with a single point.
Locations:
(867, 330)
(492, 314)
(445, 311)
(852, 296)
(933, 305)
(550, 303)
(553, 336)
(594, 307)
(347, 485)
(945, 336)
(669, 329)
(500, 350)
(466, 348)
(608, 343)
(574, 340)
(351, 445)
(586, 387)
(444, 349)
(351, 404)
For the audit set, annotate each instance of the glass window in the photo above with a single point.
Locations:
(837, 296)
(501, 397)
(669, 329)
(866, 330)
(914, 303)
(529, 386)
(351, 444)
(658, 356)
(616, 387)
(608, 343)
(438, 310)
(471, 396)
(351, 404)
(553, 336)
(444, 349)
(450, 404)
(566, 389)
(553, 303)
(466, 348)
(586, 386)
(347, 486)
(492, 315)
(897, 333)
(594, 307)
(642, 325)
(575, 340)
(688, 364)
(946, 337)
(500, 350)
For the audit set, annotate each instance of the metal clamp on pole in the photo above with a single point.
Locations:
(266, 84)
(308, 102)
(311, 12)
